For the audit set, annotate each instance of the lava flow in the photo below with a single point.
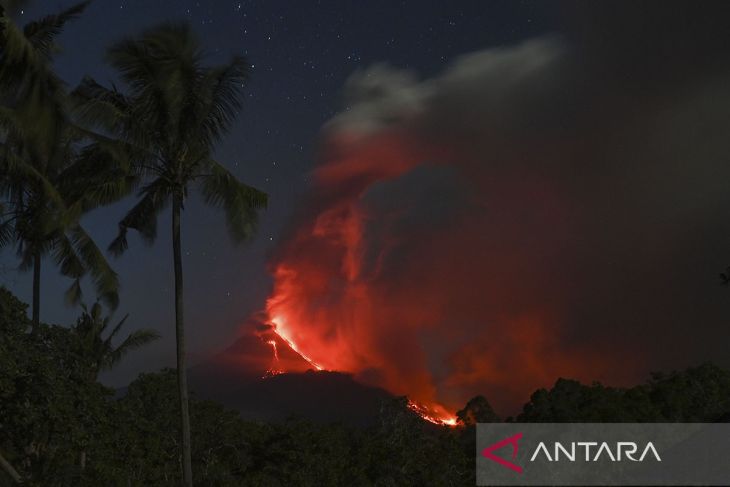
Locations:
(442, 419)
(275, 365)
(435, 414)
(282, 334)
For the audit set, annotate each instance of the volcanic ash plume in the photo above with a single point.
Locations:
(447, 247)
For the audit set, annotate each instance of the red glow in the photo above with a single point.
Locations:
(373, 281)
(281, 331)
(440, 417)
(275, 366)
(273, 346)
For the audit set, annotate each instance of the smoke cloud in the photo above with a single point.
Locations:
(553, 208)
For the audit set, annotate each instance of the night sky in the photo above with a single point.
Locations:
(645, 232)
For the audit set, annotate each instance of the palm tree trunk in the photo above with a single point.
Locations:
(36, 290)
(5, 465)
(182, 380)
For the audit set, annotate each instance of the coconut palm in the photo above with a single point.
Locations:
(45, 196)
(28, 84)
(173, 112)
(97, 351)
(48, 180)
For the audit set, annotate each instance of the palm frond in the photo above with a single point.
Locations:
(130, 156)
(98, 176)
(116, 329)
(106, 281)
(95, 313)
(74, 294)
(144, 72)
(221, 93)
(42, 33)
(18, 57)
(135, 340)
(10, 126)
(143, 216)
(7, 232)
(24, 59)
(66, 258)
(17, 168)
(96, 105)
(50, 179)
(240, 202)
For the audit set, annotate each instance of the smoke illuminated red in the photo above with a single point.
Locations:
(437, 309)
(436, 255)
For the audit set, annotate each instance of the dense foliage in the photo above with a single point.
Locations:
(49, 410)
(699, 394)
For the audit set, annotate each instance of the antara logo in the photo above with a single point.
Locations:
(627, 448)
(512, 440)
(592, 452)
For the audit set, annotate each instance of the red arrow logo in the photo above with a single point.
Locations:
(512, 440)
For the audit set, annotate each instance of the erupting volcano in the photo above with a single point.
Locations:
(463, 234)
(430, 258)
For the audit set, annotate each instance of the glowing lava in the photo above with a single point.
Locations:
(441, 418)
(281, 333)
(275, 366)
(435, 414)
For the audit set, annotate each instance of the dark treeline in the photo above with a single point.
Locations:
(59, 426)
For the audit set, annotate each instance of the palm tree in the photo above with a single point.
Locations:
(174, 111)
(98, 352)
(28, 84)
(45, 196)
(48, 179)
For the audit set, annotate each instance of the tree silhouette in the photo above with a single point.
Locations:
(48, 179)
(477, 410)
(98, 351)
(174, 111)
